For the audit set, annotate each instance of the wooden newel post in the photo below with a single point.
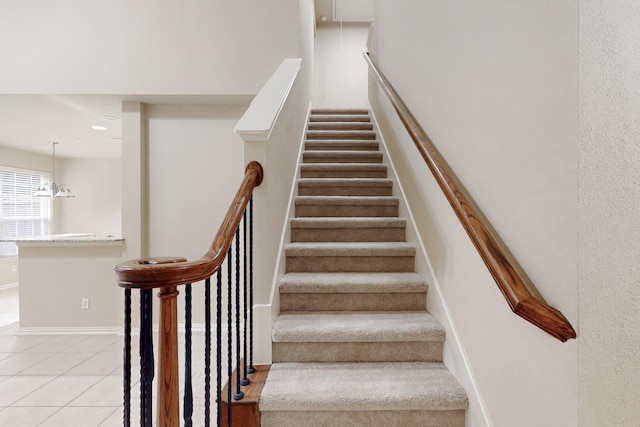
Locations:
(168, 383)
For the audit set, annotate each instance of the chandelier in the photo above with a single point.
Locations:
(53, 190)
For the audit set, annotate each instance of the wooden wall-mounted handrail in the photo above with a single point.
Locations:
(162, 272)
(510, 283)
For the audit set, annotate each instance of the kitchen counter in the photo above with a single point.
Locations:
(67, 283)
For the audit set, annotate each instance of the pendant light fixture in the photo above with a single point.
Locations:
(53, 190)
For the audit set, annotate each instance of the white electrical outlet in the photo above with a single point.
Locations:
(14, 268)
(85, 303)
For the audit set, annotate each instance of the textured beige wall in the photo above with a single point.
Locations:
(494, 84)
(97, 207)
(609, 224)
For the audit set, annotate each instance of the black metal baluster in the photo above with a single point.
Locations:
(127, 359)
(238, 395)
(219, 345)
(229, 337)
(252, 369)
(245, 381)
(188, 389)
(207, 352)
(146, 358)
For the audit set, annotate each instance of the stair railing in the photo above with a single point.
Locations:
(509, 281)
(167, 275)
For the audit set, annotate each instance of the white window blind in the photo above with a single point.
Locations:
(21, 214)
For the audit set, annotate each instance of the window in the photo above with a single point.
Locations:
(21, 214)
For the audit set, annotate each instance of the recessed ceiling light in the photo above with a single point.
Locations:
(110, 118)
(98, 127)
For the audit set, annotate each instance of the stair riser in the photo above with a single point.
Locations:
(368, 234)
(328, 210)
(418, 351)
(357, 157)
(317, 190)
(339, 118)
(353, 302)
(341, 146)
(337, 173)
(319, 264)
(341, 134)
(363, 418)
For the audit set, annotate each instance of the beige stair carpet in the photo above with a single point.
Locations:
(354, 344)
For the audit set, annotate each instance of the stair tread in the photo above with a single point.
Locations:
(352, 283)
(357, 327)
(346, 153)
(347, 222)
(343, 166)
(341, 111)
(375, 386)
(348, 200)
(350, 249)
(337, 182)
(339, 118)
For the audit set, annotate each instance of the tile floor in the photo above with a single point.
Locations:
(70, 380)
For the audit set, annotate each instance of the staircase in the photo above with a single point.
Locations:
(354, 344)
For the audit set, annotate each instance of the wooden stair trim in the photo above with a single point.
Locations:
(245, 412)
(517, 289)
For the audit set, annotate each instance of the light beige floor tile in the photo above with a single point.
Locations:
(25, 417)
(57, 364)
(21, 361)
(17, 343)
(95, 343)
(60, 343)
(100, 364)
(58, 392)
(107, 392)
(10, 329)
(117, 417)
(16, 388)
(6, 355)
(78, 416)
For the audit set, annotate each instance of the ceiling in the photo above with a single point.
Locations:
(31, 122)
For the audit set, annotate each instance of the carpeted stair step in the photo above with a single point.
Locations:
(313, 257)
(346, 206)
(339, 118)
(352, 292)
(336, 156)
(341, 134)
(340, 111)
(345, 187)
(341, 145)
(357, 337)
(340, 126)
(362, 229)
(395, 394)
(343, 170)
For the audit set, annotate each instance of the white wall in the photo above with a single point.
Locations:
(340, 71)
(143, 47)
(495, 87)
(97, 207)
(609, 374)
(195, 168)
